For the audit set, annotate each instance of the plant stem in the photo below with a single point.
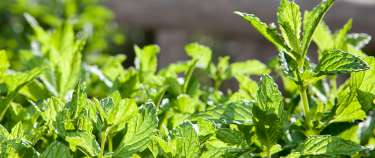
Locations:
(332, 81)
(305, 103)
(102, 144)
(110, 143)
(268, 152)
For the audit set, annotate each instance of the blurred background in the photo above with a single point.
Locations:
(114, 26)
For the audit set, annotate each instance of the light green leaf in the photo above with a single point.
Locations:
(340, 37)
(366, 85)
(311, 20)
(248, 86)
(146, 58)
(249, 67)
(4, 134)
(328, 146)
(358, 40)
(323, 37)
(17, 80)
(350, 113)
(4, 63)
(187, 141)
(14, 83)
(199, 52)
(140, 129)
(269, 32)
(56, 150)
(348, 108)
(289, 19)
(186, 104)
(52, 107)
(62, 52)
(83, 141)
(17, 131)
(339, 62)
(122, 112)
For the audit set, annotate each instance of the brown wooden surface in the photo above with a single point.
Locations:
(216, 16)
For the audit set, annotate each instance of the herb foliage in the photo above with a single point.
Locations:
(54, 106)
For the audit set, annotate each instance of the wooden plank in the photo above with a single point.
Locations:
(216, 16)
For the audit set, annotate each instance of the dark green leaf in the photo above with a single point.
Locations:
(339, 62)
(230, 136)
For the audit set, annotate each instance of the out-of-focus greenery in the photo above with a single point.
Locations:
(90, 18)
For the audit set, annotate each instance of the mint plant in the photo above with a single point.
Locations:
(58, 104)
(294, 51)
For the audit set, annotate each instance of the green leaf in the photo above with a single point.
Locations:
(4, 63)
(269, 97)
(269, 32)
(311, 21)
(17, 131)
(247, 85)
(122, 112)
(187, 141)
(61, 51)
(223, 68)
(269, 112)
(288, 65)
(186, 104)
(17, 148)
(56, 150)
(140, 129)
(358, 40)
(4, 134)
(230, 136)
(83, 141)
(348, 107)
(199, 52)
(325, 145)
(17, 80)
(146, 58)
(238, 112)
(366, 85)
(249, 67)
(340, 37)
(323, 37)
(14, 83)
(339, 62)
(52, 106)
(289, 19)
